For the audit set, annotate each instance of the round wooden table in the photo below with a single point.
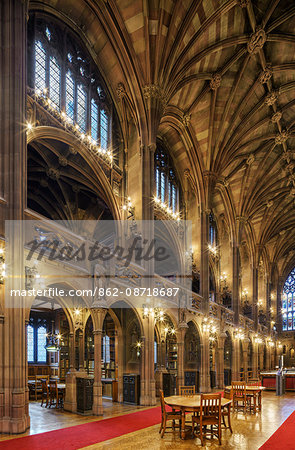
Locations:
(190, 404)
(255, 391)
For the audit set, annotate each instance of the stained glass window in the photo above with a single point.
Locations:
(158, 182)
(288, 303)
(103, 129)
(70, 96)
(54, 81)
(163, 182)
(30, 343)
(166, 181)
(40, 66)
(106, 349)
(94, 120)
(48, 34)
(81, 107)
(41, 342)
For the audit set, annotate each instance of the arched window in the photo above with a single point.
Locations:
(64, 75)
(212, 231)
(36, 341)
(288, 303)
(30, 343)
(41, 342)
(167, 190)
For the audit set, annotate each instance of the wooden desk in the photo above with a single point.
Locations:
(190, 404)
(256, 391)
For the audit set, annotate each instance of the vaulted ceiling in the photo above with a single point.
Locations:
(223, 71)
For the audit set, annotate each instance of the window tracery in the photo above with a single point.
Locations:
(288, 303)
(68, 79)
(166, 186)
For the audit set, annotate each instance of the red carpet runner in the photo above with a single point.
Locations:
(283, 438)
(87, 434)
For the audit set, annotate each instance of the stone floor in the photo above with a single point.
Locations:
(250, 431)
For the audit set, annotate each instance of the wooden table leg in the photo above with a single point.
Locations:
(255, 401)
(229, 422)
(259, 400)
(183, 424)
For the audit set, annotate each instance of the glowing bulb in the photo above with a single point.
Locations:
(77, 126)
(29, 126)
(77, 312)
(38, 92)
(124, 207)
(82, 136)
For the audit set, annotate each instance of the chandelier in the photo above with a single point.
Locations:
(53, 344)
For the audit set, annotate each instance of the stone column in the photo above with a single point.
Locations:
(255, 362)
(236, 359)
(147, 377)
(245, 358)
(205, 364)
(255, 297)
(205, 261)
(70, 403)
(236, 297)
(220, 360)
(12, 193)
(97, 386)
(180, 356)
(81, 337)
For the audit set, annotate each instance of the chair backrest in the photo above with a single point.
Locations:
(254, 382)
(210, 405)
(187, 391)
(44, 383)
(228, 394)
(238, 388)
(53, 386)
(163, 409)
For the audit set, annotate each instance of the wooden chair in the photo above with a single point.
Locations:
(252, 397)
(210, 414)
(187, 391)
(55, 394)
(225, 412)
(45, 392)
(166, 415)
(239, 393)
(37, 386)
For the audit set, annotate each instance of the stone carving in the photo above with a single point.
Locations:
(243, 3)
(121, 92)
(276, 117)
(250, 159)
(52, 173)
(186, 118)
(73, 150)
(256, 41)
(63, 161)
(282, 137)
(269, 204)
(271, 98)
(155, 91)
(215, 81)
(266, 75)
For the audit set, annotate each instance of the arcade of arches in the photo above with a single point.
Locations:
(151, 111)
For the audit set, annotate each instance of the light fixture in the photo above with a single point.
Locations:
(2, 266)
(239, 334)
(128, 206)
(260, 302)
(166, 209)
(67, 122)
(257, 339)
(212, 249)
(53, 344)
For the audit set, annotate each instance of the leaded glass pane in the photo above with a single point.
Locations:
(163, 182)
(30, 343)
(70, 96)
(81, 107)
(41, 342)
(158, 182)
(54, 81)
(174, 198)
(106, 356)
(94, 120)
(104, 122)
(40, 66)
